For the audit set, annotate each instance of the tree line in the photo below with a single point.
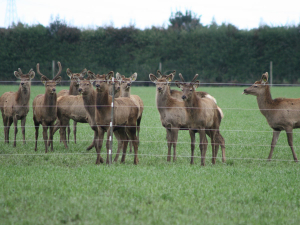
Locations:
(218, 53)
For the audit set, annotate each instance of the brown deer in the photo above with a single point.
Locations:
(125, 92)
(281, 113)
(125, 117)
(173, 114)
(73, 90)
(15, 105)
(45, 108)
(204, 117)
(89, 98)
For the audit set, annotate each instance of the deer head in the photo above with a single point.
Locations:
(258, 87)
(102, 81)
(25, 78)
(162, 84)
(188, 89)
(50, 85)
(74, 77)
(126, 82)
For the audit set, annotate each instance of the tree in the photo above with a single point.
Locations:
(187, 22)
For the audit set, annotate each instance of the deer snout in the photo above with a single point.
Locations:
(97, 85)
(129, 84)
(22, 83)
(53, 90)
(159, 88)
(79, 90)
(183, 97)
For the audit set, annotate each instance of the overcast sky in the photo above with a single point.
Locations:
(145, 14)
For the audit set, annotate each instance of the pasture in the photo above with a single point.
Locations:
(66, 187)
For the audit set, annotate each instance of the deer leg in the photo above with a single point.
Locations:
(9, 122)
(45, 137)
(16, 130)
(192, 135)
(62, 132)
(23, 122)
(130, 146)
(169, 136)
(51, 136)
(134, 140)
(36, 125)
(98, 144)
(274, 141)
(290, 141)
(174, 142)
(56, 126)
(74, 130)
(93, 143)
(5, 118)
(120, 145)
(69, 131)
(203, 146)
(220, 141)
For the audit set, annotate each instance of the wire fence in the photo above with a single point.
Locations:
(145, 140)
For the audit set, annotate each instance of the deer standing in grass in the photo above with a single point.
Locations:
(125, 117)
(125, 92)
(203, 117)
(45, 108)
(173, 114)
(15, 105)
(89, 97)
(73, 90)
(281, 113)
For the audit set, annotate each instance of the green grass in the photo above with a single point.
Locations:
(66, 187)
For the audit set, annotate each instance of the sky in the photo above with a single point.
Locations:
(89, 14)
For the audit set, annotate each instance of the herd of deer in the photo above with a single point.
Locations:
(188, 109)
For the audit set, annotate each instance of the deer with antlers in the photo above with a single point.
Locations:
(45, 107)
(89, 97)
(73, 90)
(125, 117)
(203, 117)
(125, 86)
(281, 113)
(14, 106)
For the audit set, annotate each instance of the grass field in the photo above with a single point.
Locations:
(66, 187)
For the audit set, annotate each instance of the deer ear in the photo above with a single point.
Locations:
(69, 73)
(31, 74)
(133, 77)
(264, 78)
(118, 76)
(44, 79)
(17, 74)
(196, 84)
(109, 75)
(83, 72)
(153, 78)
(170, 77)
(91, 74)
(58, 79)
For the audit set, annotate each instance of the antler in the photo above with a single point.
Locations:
(59, 71)
(181, 77)
(194, 79)
(158, 73)
(38, 71)
(20, 71)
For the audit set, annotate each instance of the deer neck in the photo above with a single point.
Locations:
(73, 89)
(23, 96)
(89, 101)
(50, 103)
(265, 101)
(103, 102)
(125, 93)
(163, 100)
(192, 104)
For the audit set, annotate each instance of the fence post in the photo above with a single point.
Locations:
(111, 123)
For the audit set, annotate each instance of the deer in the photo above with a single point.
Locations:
(89, 98)
(14, 106)
(203, 117)
(173, 114)
(281, 113)
(45, 107)
(124, 117)
(125, 92)
(73, 90)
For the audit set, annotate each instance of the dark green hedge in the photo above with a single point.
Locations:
(217, 53)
